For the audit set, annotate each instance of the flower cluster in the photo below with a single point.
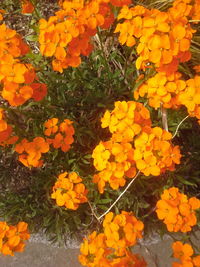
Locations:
(20, 82)
(162, 89)
(162, 38)
(126, 120)
(154, 153)
(133, 145)
(185, 8)
(114, 161)
(172, 92)
(67, 35)
(177, 211)
(6, 132)
(110, 248)
(184, 253)
(122, 231)
(12, 237)
(31, 152)
(190, 97)
(62, 134)
(68, 191)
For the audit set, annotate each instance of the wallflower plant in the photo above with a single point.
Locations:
(68, 109)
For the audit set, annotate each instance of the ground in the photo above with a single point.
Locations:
(39, 252)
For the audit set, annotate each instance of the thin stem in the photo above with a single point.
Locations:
(164, 117)
(103, 51)
(119, 197)
(193, 42)
(179, 126)
(194, 20)
(93, 211)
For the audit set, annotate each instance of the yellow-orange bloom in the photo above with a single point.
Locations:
(111, 248)
(177, 211)
(122, 231)
(162, 38)
(162, 90)
(126, 120)
(12, 237)
(63, 133)
(68, 191)
(115, 161)
(154, 153)
(184, 253)
(51, 126)
(31, 152)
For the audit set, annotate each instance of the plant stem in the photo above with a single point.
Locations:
(99, 218)
(164, 117)
(103, 52)
(179, 126)
(93, 211)
(194, 20)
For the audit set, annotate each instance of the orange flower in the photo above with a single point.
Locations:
(166, 212)
(31, 152)
(106, 12)
(126, 36)
(51, 126)
(110, 248)
(62, 142)
(101, 156)
(162, 89)
(39, 91)
(6, 137)
(93, 251)
(67, 35)
(3, 229)
(194, 203)
(190, 97)
(15, 94)
(196, 261)
(64, 138)
(68, 191)
(1, 12)
(182, 251)
(3, 123)
(27, 7)
(122, 231)
(197, 68)
(12, 237)
(17, 78)
(177, 210)
(126, 120)
(163, 37)
(153, 151)
(38, 146)
(120, 3)
(14, 73)
(129, 259)
(114, 161)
